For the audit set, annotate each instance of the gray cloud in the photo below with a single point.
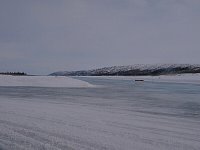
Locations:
(44, 36)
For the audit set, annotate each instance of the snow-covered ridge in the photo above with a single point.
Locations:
(41, 81)
(133, 70)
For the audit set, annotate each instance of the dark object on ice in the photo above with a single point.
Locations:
(139, 80)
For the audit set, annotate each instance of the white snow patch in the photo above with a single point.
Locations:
(42, 81)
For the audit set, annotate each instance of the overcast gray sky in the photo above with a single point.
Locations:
(43, 36)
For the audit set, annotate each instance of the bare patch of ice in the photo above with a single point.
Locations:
(178, 78)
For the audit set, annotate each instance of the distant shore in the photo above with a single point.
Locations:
(135, 70)
(14, 73)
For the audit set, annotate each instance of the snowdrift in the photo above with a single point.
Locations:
(41, 81)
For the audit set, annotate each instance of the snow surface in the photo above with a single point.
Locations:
(41, 81)
(36, 125)
(99, 118)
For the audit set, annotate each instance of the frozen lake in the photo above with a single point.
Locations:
(116, 115)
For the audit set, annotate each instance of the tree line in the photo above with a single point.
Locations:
(13, 73)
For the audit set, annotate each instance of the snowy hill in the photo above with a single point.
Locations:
(134, 70)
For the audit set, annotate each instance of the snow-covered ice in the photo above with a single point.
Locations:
(116, 116)
(41, 81)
